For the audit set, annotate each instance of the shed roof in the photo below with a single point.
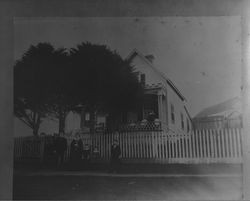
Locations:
(225, 108)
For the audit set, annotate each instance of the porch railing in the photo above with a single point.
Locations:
(141, 126)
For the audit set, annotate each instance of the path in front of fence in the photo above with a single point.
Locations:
(204, 146)
(77, 187)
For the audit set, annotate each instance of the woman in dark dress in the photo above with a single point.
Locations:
(115, 156)
(76, 149)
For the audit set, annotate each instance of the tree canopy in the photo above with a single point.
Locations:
(49, 81)
(105, 80)
(30, 84)
(107, 83)
(42, 86)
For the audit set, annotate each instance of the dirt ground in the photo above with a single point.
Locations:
(125, 188)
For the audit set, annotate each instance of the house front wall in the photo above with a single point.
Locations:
(151, 77)
(178, 104)
(163, 107)
(166, 97)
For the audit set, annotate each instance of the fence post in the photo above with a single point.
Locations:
(235, 144)
(207, 145)
(192, 145)
(230, 143)
(227, 145)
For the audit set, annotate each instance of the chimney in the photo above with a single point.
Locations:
(150, 57)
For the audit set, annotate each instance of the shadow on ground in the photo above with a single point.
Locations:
(132, 168)
(198, 183)
(125, 188)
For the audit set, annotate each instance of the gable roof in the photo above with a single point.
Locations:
(224, 108)
(168, 81)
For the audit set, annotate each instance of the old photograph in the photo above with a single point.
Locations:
(127, 108)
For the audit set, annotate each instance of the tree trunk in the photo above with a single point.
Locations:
(35, 130)
(36, 123)
(92, 121)
(62, 117)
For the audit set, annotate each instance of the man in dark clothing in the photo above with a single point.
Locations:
(115, 155)
(60, 148)
(76, 149)
(86, 156)
(49, 151)
(86, 152)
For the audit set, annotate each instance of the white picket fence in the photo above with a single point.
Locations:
(204, 146)
(28, 147)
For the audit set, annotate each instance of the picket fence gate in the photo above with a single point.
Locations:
(201, 146)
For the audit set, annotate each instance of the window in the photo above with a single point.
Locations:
(182, 122)
(172, 114)
(87, 116)
(143, 79)
(188, 128)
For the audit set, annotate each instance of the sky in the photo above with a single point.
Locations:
(201, 55)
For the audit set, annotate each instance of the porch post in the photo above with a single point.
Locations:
(143, 113)
(160, 107)
(82, 121)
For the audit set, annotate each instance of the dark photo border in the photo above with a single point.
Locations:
(109, 8)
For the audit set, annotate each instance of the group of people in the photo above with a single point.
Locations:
(80, 153)
(55, 149)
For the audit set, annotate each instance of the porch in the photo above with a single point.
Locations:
(150, 116)
(153, 114)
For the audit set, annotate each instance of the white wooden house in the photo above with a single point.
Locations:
(162, 97)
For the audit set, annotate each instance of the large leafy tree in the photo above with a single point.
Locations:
(50, 82)
(30, 87)
(104, 81)
(61, 98)
(42, 86)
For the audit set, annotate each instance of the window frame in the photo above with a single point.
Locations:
(172, 113)
(182, 121)
(188, 125)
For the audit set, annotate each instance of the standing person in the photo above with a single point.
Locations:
(80, 152)
(96, 153)
(86, 152)
(60, 148)
(80, 148)
(48, 150)
(115, 155)
(86, 155)
(73, 150)
(76, 149)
